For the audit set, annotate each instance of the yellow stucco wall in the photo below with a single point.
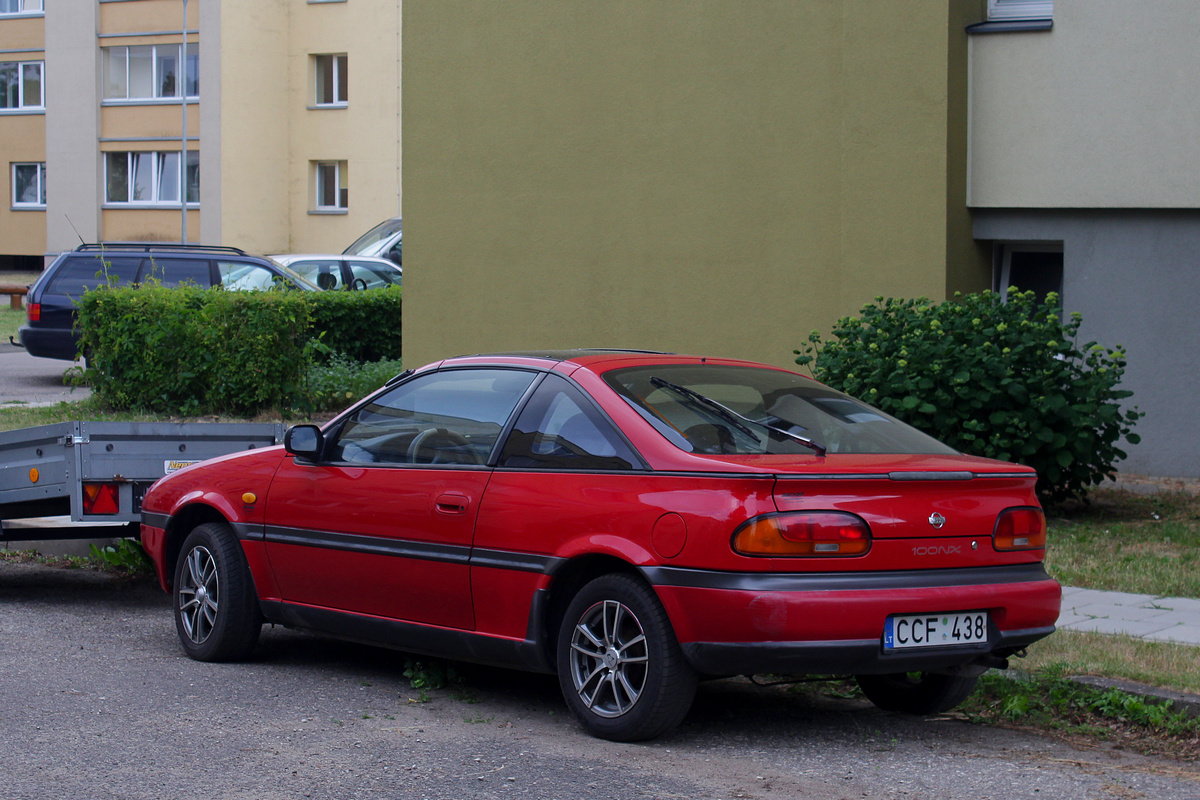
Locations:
(251, 195)
(365, 134)
(270, 135)
(709, 176)
(147, 15)
(22, 140)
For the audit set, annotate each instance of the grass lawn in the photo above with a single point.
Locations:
(10, 320)
(1128, 542)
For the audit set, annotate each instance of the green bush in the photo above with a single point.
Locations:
(364, 326)
(994, 379)
(341, 381)
(186, 350)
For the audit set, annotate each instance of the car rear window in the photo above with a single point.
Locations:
(712, 408)
(78, 274)
(175, 271)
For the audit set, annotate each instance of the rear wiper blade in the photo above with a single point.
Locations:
(732, 417)
(727, 414)
(809, 443)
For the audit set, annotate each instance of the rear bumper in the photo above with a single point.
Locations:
(49, 342)
(738, 623)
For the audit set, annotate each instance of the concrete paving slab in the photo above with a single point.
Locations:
(1180, 634)
(1126, 626)
(1180, 605)
(1111, 611)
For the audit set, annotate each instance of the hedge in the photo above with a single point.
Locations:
(188, 350)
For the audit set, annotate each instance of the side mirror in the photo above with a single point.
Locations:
(305, 441)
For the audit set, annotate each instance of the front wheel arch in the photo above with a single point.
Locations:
(182, 523)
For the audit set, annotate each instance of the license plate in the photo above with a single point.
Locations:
(935, 630)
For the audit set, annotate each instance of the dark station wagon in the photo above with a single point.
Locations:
(49, 331)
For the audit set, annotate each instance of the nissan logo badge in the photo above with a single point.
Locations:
(937, 520)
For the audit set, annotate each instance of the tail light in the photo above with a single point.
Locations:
(1020, 529)
(101, 498)
(803, 533)
(33, 312)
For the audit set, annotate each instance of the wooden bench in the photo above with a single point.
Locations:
(15, 293)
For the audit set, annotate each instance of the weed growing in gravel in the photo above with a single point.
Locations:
(1054, 702)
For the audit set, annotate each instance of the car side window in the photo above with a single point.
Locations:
(372, 275)
(324, 272)
(239, 277)
(452, 417)
(77, 274)
(561, 429)
(176, 271)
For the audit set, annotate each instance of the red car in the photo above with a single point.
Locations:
(631, 521)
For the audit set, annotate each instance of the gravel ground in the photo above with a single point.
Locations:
(98, 701)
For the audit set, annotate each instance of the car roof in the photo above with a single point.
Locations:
(287, 258)
(180, 248)
(594, 359)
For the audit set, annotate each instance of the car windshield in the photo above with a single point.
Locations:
(709, 408)
(363, 245)
(296, 276)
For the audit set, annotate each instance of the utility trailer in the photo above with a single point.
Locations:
(98, 472)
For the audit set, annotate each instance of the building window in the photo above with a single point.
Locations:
(332, 81)
(1029, 266)
(149, 72)
(29, 185)
(149, 178)
(1000, 10)
(16, 7)
(21, 85)
(332, 194)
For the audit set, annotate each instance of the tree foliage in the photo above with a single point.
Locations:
(1004, 380)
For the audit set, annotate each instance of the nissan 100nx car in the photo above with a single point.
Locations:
(633, 522)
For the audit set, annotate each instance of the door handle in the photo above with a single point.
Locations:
(452, 504)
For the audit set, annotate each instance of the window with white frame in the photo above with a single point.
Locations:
(1001, 10)
(332, 80)
(21, 85)
(29, 185)
(15, 7)
(149, 71)
(149, 178)
(331, 191)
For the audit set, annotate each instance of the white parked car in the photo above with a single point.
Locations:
(342, 271)
(383, 241)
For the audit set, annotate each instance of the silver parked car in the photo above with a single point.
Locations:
(342, 271)
(383, 241)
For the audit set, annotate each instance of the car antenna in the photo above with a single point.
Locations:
(72, 224)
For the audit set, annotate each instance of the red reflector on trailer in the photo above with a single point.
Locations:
(101, 498)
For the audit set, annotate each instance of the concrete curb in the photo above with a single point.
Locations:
(1180, 701)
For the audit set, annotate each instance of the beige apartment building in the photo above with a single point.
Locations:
(288, 113)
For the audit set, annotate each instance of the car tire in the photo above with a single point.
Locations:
(917, 693)
(216, 608)
(622, 672)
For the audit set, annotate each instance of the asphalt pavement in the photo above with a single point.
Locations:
(29, 381)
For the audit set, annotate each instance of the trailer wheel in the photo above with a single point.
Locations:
(216, 607)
